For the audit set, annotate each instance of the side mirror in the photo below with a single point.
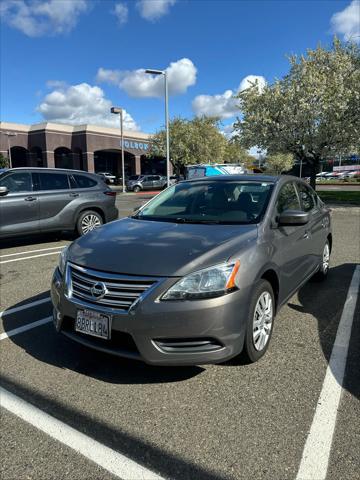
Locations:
(293, 217)
(3, 191)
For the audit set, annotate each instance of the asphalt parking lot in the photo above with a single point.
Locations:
(213, 422)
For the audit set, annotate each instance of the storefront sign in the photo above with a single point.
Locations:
(136, 145)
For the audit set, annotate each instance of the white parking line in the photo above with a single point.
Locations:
(105, 457)
(32, 251)
(315, 458)
(32, 256)
(24, 307)
(25, 328)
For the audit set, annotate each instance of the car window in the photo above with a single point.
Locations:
(307, 197)
(82, 181)
(208, 202)
(17, 182)
(287, 198)
(156, 177)
(53, 181)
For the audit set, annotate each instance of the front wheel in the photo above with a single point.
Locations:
(260, 322)
(88, 221)
(136, 189)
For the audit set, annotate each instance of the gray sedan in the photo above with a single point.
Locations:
(197, 274)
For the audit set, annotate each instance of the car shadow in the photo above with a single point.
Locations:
(36, 239)
(47, 346)
(325, 302)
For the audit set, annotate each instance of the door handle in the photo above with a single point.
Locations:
(74, 195)
(306, 235)
(29, 199)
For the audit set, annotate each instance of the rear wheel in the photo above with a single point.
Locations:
(324, 263)
(88, 221)
(260, 322)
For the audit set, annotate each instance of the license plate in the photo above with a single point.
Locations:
(93, 323)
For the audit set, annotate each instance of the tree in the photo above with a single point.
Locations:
(279, 162)
(313, 112)
(4, 161)
(235, 152)
(191, 141)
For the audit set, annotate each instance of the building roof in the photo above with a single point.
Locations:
(65, 128)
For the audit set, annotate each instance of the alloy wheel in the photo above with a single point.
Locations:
(326, 258)
(90, 222)
(262, 321)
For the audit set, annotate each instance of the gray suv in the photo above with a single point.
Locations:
(136, 183)
(34, 200)
(197, 274)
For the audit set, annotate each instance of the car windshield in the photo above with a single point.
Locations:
(215, 202)
(135, 177)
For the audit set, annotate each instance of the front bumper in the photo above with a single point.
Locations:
(163, 332)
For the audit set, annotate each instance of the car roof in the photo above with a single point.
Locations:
(46, 169)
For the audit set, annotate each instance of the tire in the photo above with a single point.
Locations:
(323, 271)
(256, 344)
(87, 221)
(136, 189)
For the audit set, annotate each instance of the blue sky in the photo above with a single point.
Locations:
(70, 60)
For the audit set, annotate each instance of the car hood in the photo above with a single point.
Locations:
(142, 247)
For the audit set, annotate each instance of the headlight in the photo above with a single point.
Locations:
(62, 260)
(210, 282)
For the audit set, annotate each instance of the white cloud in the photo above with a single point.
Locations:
(137, 83)
(80, 104)
(224, 105)
(154, 9)
(121, 12)
(347, 22)
(42, 17)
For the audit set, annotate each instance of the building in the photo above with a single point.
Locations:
(84, 147)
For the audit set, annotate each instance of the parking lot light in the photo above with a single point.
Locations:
(163, 72)
(118, 110)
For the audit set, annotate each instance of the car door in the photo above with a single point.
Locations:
(19, 208)
(157, 183)
(54, 196)
(291, 243)
(316, 228)
(147, 183)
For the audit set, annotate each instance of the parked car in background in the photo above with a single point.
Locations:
(197, 274)
(136, 183)
(38, 200)
(108, 178)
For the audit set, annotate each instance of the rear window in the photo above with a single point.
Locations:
(53, 181)
(81, 181)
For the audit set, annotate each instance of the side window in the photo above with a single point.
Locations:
(17, 182)
(81, 181)
(307, 197)
(287, 198)
(156, 177)
(53, 181)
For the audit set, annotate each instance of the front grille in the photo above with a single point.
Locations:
(121, 291)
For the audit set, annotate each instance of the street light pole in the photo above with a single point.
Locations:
(163, 72)
(117, 110)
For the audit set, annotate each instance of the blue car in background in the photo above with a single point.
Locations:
(210, 170)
